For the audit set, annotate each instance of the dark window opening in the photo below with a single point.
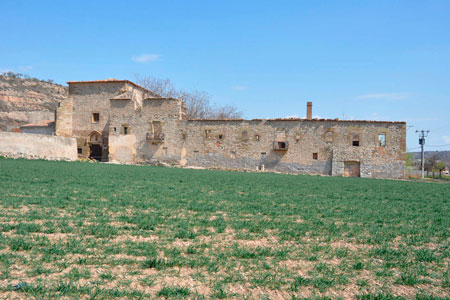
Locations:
(355, 139)
(220, 136)
(80, 151)
(282, 145)
(95, 117)
(115, 129)
(125, 130)
(257, 138)
(315, 156)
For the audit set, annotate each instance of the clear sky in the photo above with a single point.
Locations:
(380, 60)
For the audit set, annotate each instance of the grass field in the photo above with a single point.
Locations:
(81, 230)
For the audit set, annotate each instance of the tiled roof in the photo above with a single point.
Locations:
(113, 80)
(44, 123)
(303, 120)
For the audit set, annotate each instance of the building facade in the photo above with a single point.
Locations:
(118, 121)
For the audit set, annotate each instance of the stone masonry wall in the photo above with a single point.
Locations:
(37, 146)
(314, 146)
(249, 145)
(130, 117)
(89, 98)
(134, 147)
(64, 116)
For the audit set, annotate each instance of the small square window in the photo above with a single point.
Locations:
(80, 150)
(355, 139)
(95, 117)
(315, 156)
(220, 136)
(115, 129)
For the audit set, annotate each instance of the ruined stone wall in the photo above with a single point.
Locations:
(64, 116)
(138, 144)
(313, 146)
(37, 146)
(250, 145)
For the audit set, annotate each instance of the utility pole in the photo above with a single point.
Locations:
(423, 135)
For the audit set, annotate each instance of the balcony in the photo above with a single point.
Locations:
(155, 137)
(280, 146)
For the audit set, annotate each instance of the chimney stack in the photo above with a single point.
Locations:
(309, 111)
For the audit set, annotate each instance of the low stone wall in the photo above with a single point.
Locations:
(37, 146)
(267, 164)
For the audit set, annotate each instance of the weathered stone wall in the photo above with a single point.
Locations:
(89, 98)
(135, 146)
(37, 146)
(330, 140)
(75, 116)
(314, 146)
(64, 117)
(129, 116)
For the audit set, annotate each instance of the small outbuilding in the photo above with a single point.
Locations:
(46, 127)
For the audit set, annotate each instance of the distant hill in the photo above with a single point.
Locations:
(443, 156)
(27, 100)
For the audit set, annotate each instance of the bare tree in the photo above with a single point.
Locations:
(197, 103)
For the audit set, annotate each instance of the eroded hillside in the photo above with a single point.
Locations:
(27, 100)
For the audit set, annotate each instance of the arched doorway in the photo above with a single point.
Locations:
(95, 141)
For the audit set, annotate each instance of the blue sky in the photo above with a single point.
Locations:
(381, 60)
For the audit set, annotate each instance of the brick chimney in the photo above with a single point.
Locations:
(309, 111)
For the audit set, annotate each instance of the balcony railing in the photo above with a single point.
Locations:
(280, 146)
(155, 137)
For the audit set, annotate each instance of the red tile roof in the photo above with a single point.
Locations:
(113, 80)
(303, 120)
(44, 123)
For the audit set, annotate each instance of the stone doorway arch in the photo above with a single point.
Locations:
(95, 142)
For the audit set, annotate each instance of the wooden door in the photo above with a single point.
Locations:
(351, 169)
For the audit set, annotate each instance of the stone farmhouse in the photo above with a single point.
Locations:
(119, 121)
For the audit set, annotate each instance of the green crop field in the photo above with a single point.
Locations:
(82, 230)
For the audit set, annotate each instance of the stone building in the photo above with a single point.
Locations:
(118, 121)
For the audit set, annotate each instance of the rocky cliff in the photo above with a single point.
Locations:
(27, 100)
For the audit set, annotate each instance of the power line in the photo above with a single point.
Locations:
(445, 126)
(413, 148)
(439, 145)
